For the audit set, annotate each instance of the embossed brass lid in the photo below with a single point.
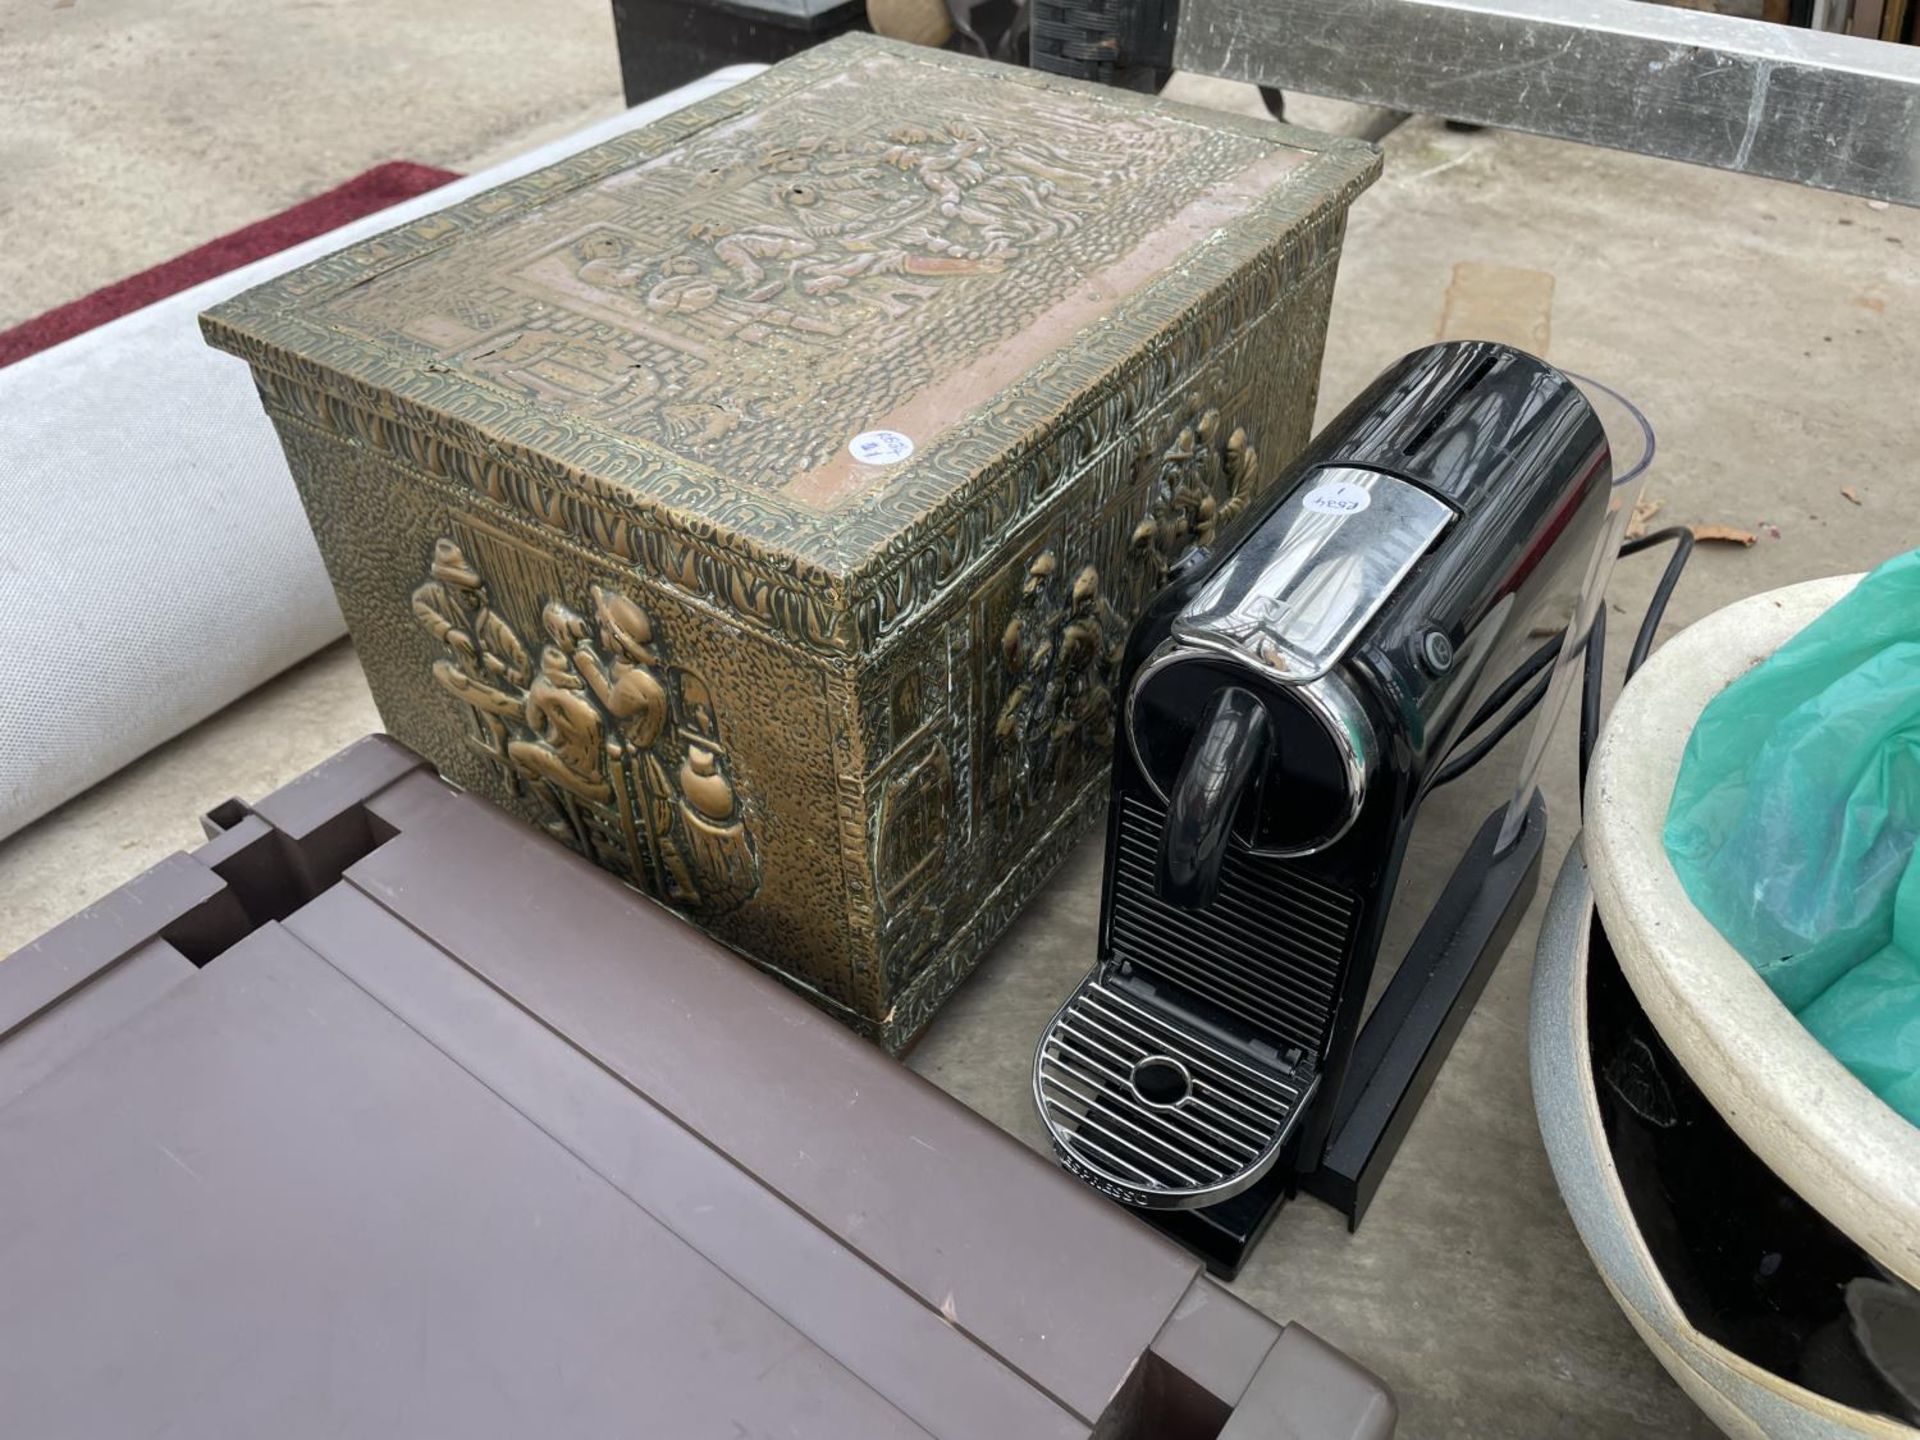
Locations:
(844, 316)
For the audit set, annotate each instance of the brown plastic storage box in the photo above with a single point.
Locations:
(758, 501)
(381, 1115)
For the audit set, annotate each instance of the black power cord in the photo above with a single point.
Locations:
(1511, 686)
(1460, 764)
(1594, 643)
(1592, 682)
(1681, 538)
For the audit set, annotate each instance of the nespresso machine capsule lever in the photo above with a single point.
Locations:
(1289, 700)
(1220, 768)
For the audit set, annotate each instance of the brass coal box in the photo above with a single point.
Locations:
(757, 501)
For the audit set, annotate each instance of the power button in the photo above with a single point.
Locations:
(1437, 651)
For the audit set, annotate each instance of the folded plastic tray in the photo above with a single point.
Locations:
(382, 1114)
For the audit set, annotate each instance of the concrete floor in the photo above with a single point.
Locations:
(1769, 332)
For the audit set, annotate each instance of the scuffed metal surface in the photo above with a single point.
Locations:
(1833, 111)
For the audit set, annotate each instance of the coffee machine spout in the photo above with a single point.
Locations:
(1224, 761)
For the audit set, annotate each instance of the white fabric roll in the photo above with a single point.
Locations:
(155, 564)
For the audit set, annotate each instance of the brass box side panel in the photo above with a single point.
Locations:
(692, 758)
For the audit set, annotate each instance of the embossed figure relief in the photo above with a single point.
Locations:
(796, 243)
(752, 304)
(618, 747)
(820, 233)
(1060, 652)
(801, 243)
(1204, 481)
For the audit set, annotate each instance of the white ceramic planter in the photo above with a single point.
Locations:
(1741, 1398)
(1825, 1134)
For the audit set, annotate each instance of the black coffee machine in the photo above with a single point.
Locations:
(1290, 698)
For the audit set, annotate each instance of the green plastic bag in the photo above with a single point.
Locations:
(1793, 822)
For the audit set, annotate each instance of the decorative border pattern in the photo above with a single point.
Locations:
(694, 561)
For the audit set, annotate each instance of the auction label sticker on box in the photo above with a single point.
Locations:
(880, 447)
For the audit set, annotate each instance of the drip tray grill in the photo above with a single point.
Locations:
(1152, 1113)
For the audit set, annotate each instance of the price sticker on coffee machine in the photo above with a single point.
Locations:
(1337, 497)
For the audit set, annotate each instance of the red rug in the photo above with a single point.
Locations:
(380, 187)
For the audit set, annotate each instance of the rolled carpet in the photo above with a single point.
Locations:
(373, 190)
(155, 563)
